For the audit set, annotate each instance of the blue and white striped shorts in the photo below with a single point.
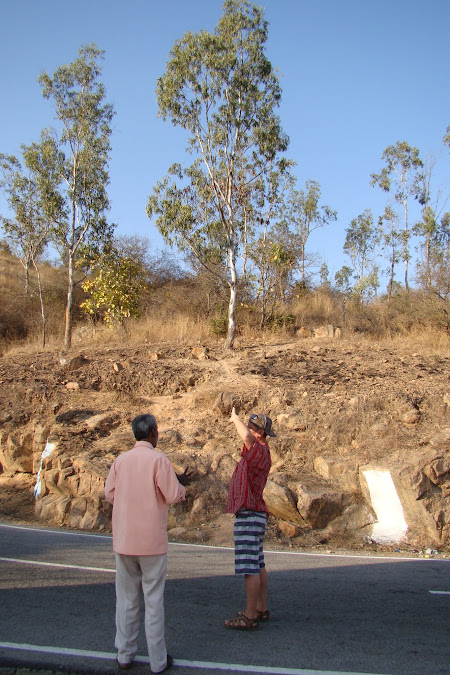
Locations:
(249, 529)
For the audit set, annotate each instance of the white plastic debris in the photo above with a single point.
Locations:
(49, 447)
(391, 526)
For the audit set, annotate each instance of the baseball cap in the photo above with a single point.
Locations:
(262, 422)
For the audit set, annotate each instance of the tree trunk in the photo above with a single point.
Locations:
(406, 246)
(232, 304)
(41, 301)
(391, 278)
(68, 330)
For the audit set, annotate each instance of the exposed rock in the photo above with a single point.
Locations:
(226, 401)
(355, 517)
(304, 332)
(16, 452)
(77, 362)
(441, 439)
(421, 479)
(223, 467)
(292, 420)
(334, 405)
(280, 501)
(324, 331)
(288, 529)
(72, 386)
(338, 470)
(411, 416)
(318, 505)
(104, 422)
(176, 532)
(200, 353)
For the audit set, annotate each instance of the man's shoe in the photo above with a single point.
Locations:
(169, 665)
(124, 666)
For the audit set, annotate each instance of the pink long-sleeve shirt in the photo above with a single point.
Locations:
(140, 485)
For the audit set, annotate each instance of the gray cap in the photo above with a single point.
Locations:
(262, 422)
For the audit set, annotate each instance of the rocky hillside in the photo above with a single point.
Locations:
(340, 408)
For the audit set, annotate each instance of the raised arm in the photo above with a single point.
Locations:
(242, 429)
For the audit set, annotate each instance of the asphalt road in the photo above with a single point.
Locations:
(330, 613)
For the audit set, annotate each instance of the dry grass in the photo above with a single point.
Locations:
(189, 310)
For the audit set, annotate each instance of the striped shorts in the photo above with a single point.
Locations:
(249, 528)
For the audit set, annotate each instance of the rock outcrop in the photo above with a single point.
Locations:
(330, 432)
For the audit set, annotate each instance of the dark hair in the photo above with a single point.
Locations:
(142, 426)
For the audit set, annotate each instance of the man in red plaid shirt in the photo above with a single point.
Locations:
(245, 500)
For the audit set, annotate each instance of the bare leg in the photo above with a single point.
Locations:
(262, 596)
(252, 590)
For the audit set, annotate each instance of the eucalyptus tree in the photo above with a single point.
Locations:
(440, 262)
(28, 231)
(343, 287)
(274, 255)
(360, 242)
(403, 174)
(392, 242)
(77, 169)
(434, 203)
(221, 88)
(304, 215)
(31, 228)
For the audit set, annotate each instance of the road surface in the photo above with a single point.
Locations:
(331, 614)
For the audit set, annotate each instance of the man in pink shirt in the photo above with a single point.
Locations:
(141, 484)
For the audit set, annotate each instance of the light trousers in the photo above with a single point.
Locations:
(136, 575)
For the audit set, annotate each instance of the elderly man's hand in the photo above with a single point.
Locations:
(185, 478)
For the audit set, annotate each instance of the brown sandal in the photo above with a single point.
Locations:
(262, 616)
(241, 622)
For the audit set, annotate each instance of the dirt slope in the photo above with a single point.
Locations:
(351, 398)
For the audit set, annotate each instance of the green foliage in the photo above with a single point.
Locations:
(219, 322)
(221, 88)
(403, 175)
(304, 215)
(281, 321)
(73, 163)
(115, 289)
(360, 242)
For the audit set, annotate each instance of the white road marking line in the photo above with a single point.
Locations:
(347, 556)
(207, 665)
(440, 592)
(50, 564)
(45, 531)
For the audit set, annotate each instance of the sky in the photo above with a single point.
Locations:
(356, 76)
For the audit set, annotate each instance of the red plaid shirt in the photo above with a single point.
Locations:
(249, 479)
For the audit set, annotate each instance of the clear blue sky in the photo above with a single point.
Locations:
(357, 76)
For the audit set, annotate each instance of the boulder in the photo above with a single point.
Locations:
(226, 401)
(441, 439)
(289, 529)
(200, 353)
(338, 470)
(324, 331)
(280, 501)
(16, 451)
(356, 517)
(223, 467)
(318, 504)
(291, 421)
